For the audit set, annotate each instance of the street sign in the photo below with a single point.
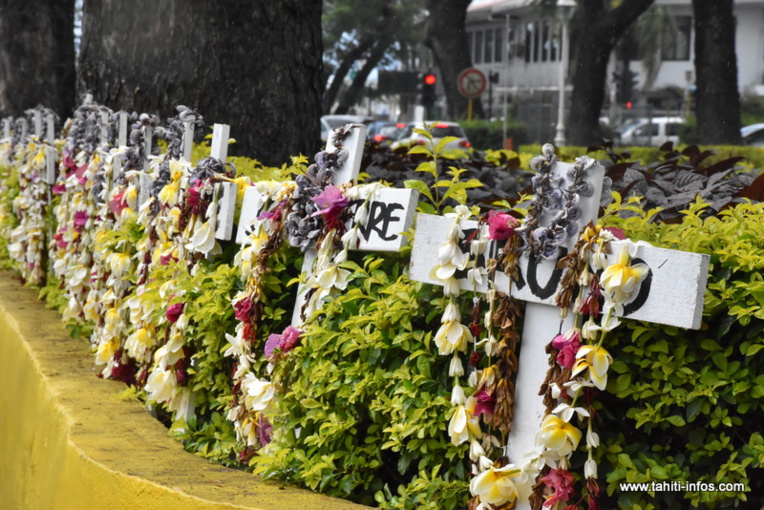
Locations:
(471, 83)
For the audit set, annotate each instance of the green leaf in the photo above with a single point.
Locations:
(676, 420)
(419, 186)
(443, 142)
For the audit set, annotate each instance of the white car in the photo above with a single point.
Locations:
(329, 122)
(753, 135)
(438, 130)
(653, 131)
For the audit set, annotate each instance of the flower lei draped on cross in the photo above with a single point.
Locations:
(304, 212)
(595, 290)
(28, 240)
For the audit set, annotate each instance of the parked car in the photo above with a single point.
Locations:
(753, 135)
(386, 132)
(329, 122)
(438, 130)
(652, 131)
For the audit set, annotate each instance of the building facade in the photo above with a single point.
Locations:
(524, 49)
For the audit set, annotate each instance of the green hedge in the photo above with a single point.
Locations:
(754, 156)
(364, 400)
(484, 135)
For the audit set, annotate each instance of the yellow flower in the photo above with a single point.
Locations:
(596, 360)
(106, 350)
(556, 434)
(119, 263)
(621, 279)
(464, 423)
(496, 486)
(169, 193)
(452, 336)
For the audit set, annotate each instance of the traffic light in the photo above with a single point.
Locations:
(428, 89)
(625, 86)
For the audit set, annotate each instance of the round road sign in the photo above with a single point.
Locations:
(472, 83)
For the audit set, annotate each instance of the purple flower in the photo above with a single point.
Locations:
(284, 342)
(332, 203)
(264, 430)
(501, 226)
(173, 312)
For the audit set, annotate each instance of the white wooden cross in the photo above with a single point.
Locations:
(391, 211)
(37, 121)
(51, 154)
(7, 127)
(672, 294)
(227, 191)
(121, 142)
(144, 179)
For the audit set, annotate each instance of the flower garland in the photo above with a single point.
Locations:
(551, 200)
(299, 211)
(28, 241)
(496, 482)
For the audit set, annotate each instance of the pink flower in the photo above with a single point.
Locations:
(59, 238)
(243, 309)
(118, 203)
(501, 226)
(568, 346)
(173, 312)
(485, 403)
(275, 213)
(68, 162)
(58, 189)
(194, 194)
(561, 481)
(289, 338)
(618, 233)
(80, 218)
(332, 203)
(165, 259)
(285, 341)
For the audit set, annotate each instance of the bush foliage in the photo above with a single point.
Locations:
(364, 403)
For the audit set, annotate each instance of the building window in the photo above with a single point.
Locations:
(488, 51)
(675, 41)
(545, 41)
(499, 47)
(528, 41)
(542, 42)
(478, 47)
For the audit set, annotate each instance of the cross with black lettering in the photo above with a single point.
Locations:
(391, 211)
(671, 294)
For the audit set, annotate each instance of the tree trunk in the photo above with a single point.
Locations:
(353, 94)
(600, 29)
(342, 70)
(718, 101)
(36, 55)
(447, 38)
(253, 65)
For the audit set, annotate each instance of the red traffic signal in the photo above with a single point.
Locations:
(430, 79)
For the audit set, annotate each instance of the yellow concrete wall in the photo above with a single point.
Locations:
(68, 442)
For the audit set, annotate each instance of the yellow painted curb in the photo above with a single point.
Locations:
(67, 442)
